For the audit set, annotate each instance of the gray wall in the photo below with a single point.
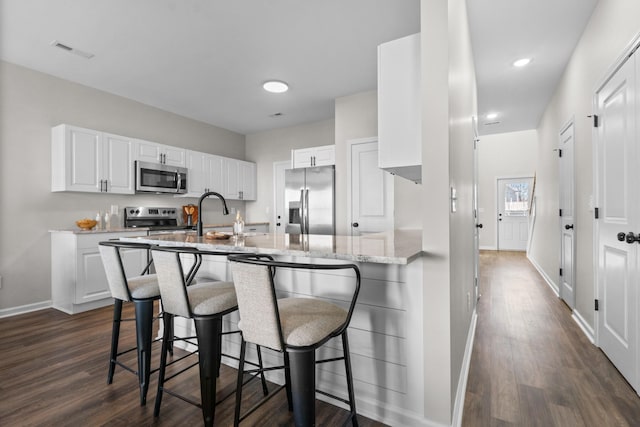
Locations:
(33, 102)
(612, 26)
(502, 155)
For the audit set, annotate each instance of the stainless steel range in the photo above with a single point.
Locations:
(156, 219)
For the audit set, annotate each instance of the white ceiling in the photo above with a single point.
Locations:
(505, 30)
(207, 59)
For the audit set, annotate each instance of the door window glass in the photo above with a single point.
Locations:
(516, 198)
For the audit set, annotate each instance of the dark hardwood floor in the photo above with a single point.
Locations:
(531, 363)
(53, 371)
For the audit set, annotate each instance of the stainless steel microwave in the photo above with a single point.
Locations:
(157, 178)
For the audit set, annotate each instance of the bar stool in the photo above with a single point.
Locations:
(206, 304)
(294, 326)
(142, 291)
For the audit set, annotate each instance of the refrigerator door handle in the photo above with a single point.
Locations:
(301, 211)
(306, 215)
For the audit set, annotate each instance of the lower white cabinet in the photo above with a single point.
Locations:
(78, 280)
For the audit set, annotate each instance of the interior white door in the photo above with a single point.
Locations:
(477, 225)
(617, 200)
(513, 213)
(279, 210)
(371, 190)
(567, 216)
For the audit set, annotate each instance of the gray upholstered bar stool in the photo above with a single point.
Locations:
(142, 291)
(294, 326)
(206, 304)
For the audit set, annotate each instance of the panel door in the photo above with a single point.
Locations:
(325, 156)
(231, 179)
(567, 218)
(247, 176)
(85, 157)
(215, 174)
(174, 156)
(371, 191)
(617, 178)
(147, 151)
(118, 164)
(301, 158)
(198, 165)
(513, 213)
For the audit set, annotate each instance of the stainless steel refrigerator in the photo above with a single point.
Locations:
(310, 200)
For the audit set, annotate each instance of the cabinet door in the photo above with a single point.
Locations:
(174, 156)
(83, 152)
(92, 282)
(118, 164)
(301, 158)
(198, 172)
(231, 179)
(324, 156)
(216, 171)
(148, 151)
(247, 177)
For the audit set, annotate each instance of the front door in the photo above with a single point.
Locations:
(567, 218)
(513, 213)
(617, 200)
(371, 190)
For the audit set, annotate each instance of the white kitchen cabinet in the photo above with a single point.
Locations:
(324, 155)
(205, 173)
(91, 161)
(239, 179)
(78, 280)
(399, 122)
(153, 152)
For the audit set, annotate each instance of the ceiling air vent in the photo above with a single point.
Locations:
(68, 48)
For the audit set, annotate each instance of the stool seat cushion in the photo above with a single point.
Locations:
(211, 298)
(307, 321)
(144, 286)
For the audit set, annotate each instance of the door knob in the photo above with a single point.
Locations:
(621, 236)
(277, 224)
(355, 224)
(479, 225)
(632, 238)
(568, 227)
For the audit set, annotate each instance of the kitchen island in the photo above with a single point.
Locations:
(386, 330)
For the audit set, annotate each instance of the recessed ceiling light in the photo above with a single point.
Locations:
(67, 48)
(522, 62)
(275, 86)
(491, 116)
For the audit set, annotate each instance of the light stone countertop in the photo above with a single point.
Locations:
(393, 247)
(77, 230)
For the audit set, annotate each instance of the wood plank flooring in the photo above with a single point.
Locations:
(531, 364)
(53, 372)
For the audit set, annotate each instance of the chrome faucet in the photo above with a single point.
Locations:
(225, 211)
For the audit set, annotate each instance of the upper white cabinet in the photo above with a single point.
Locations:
(314, 156)
(158, 153)
(205, 173)
(239, 179)
(91, 161)
(399, 123)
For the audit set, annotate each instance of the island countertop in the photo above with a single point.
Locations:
(392, 247)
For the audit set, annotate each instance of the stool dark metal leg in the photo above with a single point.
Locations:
(209, 355)
(347, 367)
(167, 343)
(236, 416)
(303, 387)
(115, 336)
(287, 381)
(144, 324)
(263, 380)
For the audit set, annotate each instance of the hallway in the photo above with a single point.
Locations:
(531, 363)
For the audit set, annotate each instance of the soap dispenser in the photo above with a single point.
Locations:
(238, 225)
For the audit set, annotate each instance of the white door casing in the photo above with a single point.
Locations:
(477, 225)
(567, 215)
(370, 189)
(616, 171)
(279, 208)
(513, 213)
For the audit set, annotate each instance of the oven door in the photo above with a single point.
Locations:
(157, 178)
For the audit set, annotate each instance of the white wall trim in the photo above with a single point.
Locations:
(488, 248)
(22, 309)
(554, 287)
(458, 407)
(586, 328)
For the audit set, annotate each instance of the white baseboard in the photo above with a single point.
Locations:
(14, 311)
(488, 248)
(554, 287)
(464, 373)
(586, 328)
